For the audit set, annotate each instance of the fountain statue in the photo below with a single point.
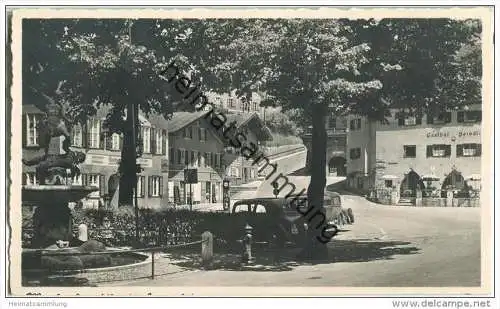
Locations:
(52, 218)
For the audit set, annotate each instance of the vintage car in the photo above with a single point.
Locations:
(278, 220)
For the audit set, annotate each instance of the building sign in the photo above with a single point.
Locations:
(97, 160)
(463, 133)
(469, 133)
(113, 160)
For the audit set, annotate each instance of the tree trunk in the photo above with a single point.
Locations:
(128, 161)
(316, 249)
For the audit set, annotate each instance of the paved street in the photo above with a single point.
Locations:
(387, 246)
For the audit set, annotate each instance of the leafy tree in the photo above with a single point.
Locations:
(349, 66)
(93, 63)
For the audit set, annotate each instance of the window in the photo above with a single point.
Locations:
(469, 150)
(93, 180)
(77, 136)
(146, 139)
(32, 122)
(469, 116)
(203, 134)
(355, 124)
(77, 180)
(193, 160)
(155, 186)
(171, 154)
(388, 184)
(94, 133)
(203, 162)
(408, 120)
(438, 151)
(206, 160)
(190, 131)
(198, 160)
(180, 154)
(30, 179)
(260, 208)
(332, 122)
(140, 186)
(230, 102)
(115, 144)
(252, 173)
(410, 151)
(185, 133)
(441, 118)
(186, 157)
(355, 153)
(159, 141)
(241, 208)
(255, 105)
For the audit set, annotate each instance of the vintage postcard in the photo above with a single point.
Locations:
(236, 151)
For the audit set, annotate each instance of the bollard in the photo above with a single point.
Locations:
(247, 245)
(83, 232)
(207, 249)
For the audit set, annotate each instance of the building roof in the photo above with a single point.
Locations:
(253, 121)
(31, 109)
(180, 120)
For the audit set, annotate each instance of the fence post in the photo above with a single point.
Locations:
(207, 248)
(152, 264)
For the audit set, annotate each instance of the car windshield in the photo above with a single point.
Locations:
(241, 208)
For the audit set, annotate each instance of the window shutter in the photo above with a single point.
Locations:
(447, 117)
(161, 186)
(25, 130)
(460, 117)
(102, 185)
(87, 134)
(109, 141)
(152, 138)
(429, 151)
(120, 142)
(85, 179)
(460, 150)
(447, 151)
(143, 185)
(430, 119)
(199, 134)
(164, 142)
(150, 186)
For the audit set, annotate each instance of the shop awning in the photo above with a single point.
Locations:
(430, 178)
(473, 177)
(389, 177)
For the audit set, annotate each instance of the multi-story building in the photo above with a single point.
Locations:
(233, 104)
(103, 153)
(336, 128)
(441, 151)
(237, 168)
(194, 143)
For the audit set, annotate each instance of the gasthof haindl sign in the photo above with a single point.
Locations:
(464, 133)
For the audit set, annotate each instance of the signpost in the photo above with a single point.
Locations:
(190, 177)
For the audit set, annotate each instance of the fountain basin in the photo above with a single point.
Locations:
(44, 194)
(124, 266)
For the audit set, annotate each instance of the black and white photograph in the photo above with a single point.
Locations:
(250, 151)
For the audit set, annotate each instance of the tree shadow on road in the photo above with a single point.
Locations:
(340, 251)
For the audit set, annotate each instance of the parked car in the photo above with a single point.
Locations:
(277, 220)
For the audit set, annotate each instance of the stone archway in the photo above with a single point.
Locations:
(337, 165)
(456, 182)
(410, 184)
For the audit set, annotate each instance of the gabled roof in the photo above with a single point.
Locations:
(31, 109)
(262, 131)
(180, 120)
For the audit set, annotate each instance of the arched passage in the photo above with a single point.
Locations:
(337, 165)
(456, 182)
(411, 182)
